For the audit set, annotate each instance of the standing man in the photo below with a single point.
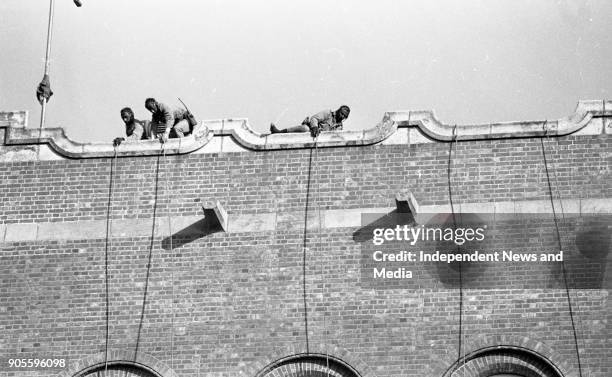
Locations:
(325, 120)
(167, 121)
(134, 129)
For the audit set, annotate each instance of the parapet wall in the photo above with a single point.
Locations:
(233, 135)
(186, 298)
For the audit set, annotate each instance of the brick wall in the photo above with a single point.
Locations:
(222, 304)
(358, 177)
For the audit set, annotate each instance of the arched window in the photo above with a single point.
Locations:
(309, 366)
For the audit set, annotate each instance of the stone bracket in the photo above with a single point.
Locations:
(216, 214)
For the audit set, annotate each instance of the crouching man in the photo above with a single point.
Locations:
(134, 129)
(166, 121)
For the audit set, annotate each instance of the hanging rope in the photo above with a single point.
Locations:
(320, 247)
(567, 291)
(43, 92)
(304, 246)
(559, 196)
(107, 247)
(452, 206)
(168, 201)
(150, 256)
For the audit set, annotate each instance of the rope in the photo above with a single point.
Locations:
(146, 288)
(450, 198)
(305, 242)
(567, 292)
(47, 62)
(320, 249)
(168, 198)
(554, 172)
(107, 247)
(558, 189)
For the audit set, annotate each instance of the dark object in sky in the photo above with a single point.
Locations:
(78, 3)
(44, 92)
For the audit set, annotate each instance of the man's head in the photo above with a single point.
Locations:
(151, 104)
(342, 113)
(127, 115)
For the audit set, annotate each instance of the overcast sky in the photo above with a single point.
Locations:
(470, 61)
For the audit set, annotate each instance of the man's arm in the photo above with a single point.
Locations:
(336, 126)
(168, 118)
(317, 118)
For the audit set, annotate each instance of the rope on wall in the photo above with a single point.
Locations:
(312, 156)
(304, 250)
(107, 247)
(567, 291)
(168, 201)
(150, 256)
(452, 206)
(320, 249)
(571, 280)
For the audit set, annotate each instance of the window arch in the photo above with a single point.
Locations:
(117, 370)
(504, 362)
(309, 366)
(118, 363)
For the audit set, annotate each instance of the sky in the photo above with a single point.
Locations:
(470, 61)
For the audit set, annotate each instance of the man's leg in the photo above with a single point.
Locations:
(300, 128)
(181, 128)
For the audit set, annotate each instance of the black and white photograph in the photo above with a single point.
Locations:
(343, 188)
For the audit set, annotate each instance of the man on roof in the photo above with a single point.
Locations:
(135, 129)
(325, 120)
(167, 121)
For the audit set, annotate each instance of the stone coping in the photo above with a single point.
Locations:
(62, 145)
(242, 137)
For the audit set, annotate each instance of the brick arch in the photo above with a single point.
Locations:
(117, 370)
(480, 344)
(142, 365)
(294, 350)
(309, 365)
(501, 360)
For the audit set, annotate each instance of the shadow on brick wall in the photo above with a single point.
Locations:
(195, 231)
